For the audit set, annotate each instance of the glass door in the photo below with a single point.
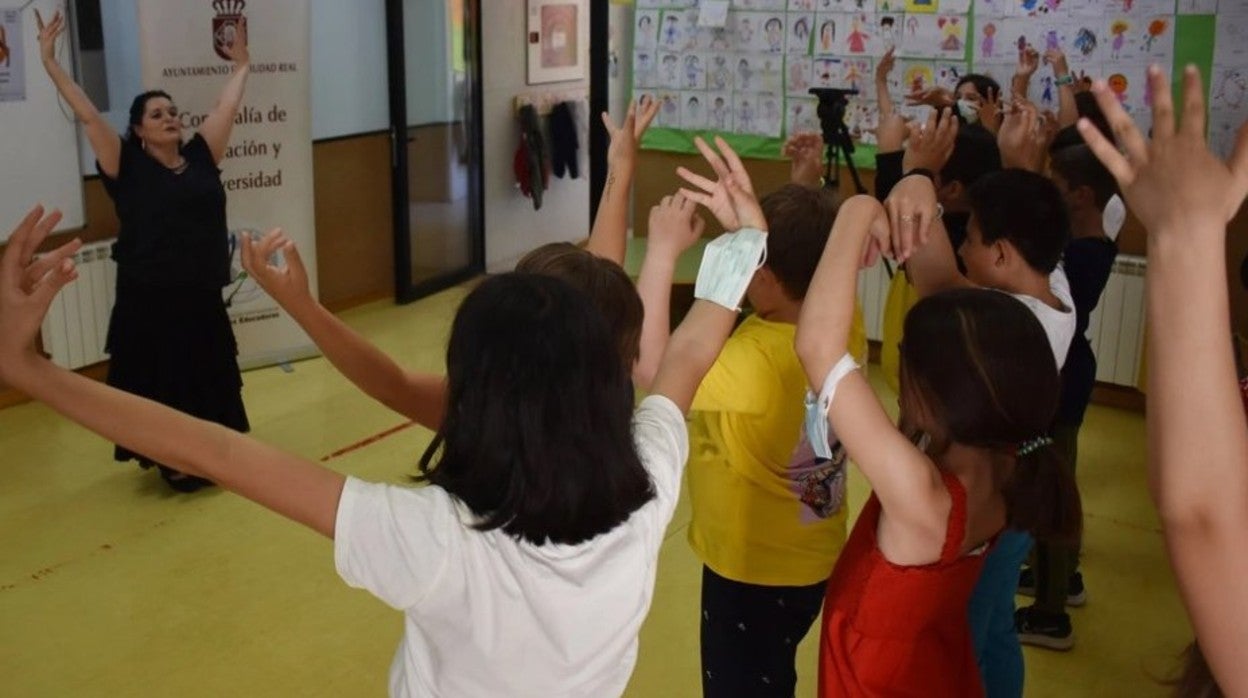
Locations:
(435, 107)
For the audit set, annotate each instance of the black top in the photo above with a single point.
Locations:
(1088, 263)
(173, 230)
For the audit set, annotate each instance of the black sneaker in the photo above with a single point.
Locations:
(1040, 629)
(1076, 594)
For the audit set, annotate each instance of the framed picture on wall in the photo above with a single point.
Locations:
(557, 40)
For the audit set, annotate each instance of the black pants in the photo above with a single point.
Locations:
(750, 635)
(1054, 563)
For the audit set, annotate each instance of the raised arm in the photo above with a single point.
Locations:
(220, 121)
(420, 397)
(609, 237)
(696, 343)
(905, 480)
(105, 142)
(293, 487)
(674, 227)
(805, 152)
(1028, 62)
(1198, 439)
(1067, 110)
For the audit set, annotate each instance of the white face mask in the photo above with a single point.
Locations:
(728, 265)
(1114, 217)
(969, 109)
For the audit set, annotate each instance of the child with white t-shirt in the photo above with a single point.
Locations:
(527, 566)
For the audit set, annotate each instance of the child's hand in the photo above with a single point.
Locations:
(1057, 59)
(28, 285)
(937, 97)
(1024, 138)
(48, 34)
(884, 68)
(674, 226)
(287, 283)
(912, 207)
(805, 150)
(890, 135)
(990, 111)
(730, 197)
(931, 143)
(1028, 62)
(626, 138)
(879, 242)
(1173, 183)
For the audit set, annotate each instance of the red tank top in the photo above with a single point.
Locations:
(891, 630)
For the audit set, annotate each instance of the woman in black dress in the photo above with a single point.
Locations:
(169, 338)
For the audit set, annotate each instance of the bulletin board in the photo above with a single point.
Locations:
(745, 75)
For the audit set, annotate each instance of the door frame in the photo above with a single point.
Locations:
(405, 290)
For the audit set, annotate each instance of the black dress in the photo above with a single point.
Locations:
(170, 338)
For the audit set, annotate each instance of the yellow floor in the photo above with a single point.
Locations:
(110, 585)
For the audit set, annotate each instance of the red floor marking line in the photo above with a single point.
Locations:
(370, 440)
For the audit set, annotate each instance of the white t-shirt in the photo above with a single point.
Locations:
(490, 615)
(1059, 325)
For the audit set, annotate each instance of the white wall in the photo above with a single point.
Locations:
(348, 67)
(512, 227)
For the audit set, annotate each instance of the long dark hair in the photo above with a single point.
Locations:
(979, 364)
(139, 105)
(537, 438)
(1196, 679)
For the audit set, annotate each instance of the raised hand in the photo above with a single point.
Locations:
(1028, 62)
(48, 34)
(937, 97)
(28, 285)
(805, 151)
(674, 225)
(730, 197)
(990, 111)
(890, 135)
(1056, 58)
(286, 282)
(626, 138)
(1024, 137)
(238, 50)
(882, 70)
(1173, 183)
(912, 208)
(931, 142)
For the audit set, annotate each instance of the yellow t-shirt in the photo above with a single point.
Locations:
(763, 511)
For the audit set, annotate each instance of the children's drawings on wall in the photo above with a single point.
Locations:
(752, 75)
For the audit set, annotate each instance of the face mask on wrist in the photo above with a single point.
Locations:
(728, 265)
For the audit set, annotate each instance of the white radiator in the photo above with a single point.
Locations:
(77, 323)
(1115, 329)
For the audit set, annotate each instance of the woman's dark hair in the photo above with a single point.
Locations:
(537, 438)
(979, 364)
(984, 85)
(605, 283)
(1196, 679)
(139, 105)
